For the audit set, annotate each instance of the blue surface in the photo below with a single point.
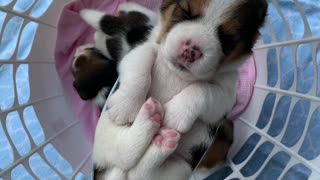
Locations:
(280, 116)
(257, 159)
(274, 167)
(246, 149)
(266, 111)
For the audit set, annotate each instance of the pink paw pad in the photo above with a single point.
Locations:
(189, 52)
(154, 110)
(167, 139)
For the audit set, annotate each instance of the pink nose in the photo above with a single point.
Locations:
(189, 52)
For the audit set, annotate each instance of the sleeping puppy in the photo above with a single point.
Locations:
(95, 68)
(190, 64)
(94, 75)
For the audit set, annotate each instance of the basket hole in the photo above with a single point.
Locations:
(20, 173)
(3, 16)
(287, 68)
(26, 40)
(310, 148)
(6, 87)
(222, 173)
(293, 18)
(266, 111)
(257, 159)
(275, 166)
(5, 2)
(311, 11)
(40, 168)
(272, 66)
(305, 69)
(17, 133)
(33, 125)
(6, 154)
(22, 83)
(266, 35)
(277, 24)
(318, 63)
(298, 171)
(10, 37)
(297, 122)
(79, 176)
(22, 6)
(57, 161)
(280, 116)
(40, 8)
(246, 149)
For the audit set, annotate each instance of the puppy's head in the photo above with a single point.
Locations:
(92, 72)
(201, 37)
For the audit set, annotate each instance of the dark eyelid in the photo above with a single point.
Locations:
(187, 13)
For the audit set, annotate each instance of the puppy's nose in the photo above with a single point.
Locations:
(189, 52)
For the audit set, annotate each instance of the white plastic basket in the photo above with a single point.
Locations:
(276, 138)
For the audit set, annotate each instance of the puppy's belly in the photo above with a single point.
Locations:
(165, 83)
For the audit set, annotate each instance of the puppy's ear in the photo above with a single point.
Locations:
(240, 30)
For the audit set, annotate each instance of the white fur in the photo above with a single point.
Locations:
(92, 17)
(100, 99)
(200, 92)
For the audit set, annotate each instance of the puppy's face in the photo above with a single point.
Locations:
(200, 37)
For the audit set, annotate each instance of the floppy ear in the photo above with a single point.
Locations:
(239, 32)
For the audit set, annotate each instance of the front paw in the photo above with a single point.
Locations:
(177, 118)
(123, 108)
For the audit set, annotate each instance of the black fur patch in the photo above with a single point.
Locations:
(98, 172)
(114, 46)
(197, 153)
(212, 129)
(138, 35)
(112, 25)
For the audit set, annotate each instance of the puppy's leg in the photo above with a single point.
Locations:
(116, 174)
(135, 80)
(123, 146)
(209, 102)
(164, 144)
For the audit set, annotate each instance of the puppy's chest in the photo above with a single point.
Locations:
(165, 83)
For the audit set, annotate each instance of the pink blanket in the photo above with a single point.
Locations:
(73, 32)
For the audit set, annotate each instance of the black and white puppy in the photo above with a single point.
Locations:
(95, 67)
(190, 65)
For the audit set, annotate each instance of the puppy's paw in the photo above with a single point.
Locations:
(177, 118)
(167, 140)
(153, 110)
(123, 108)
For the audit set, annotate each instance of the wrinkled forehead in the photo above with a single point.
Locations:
(210, 13)
(206, 9)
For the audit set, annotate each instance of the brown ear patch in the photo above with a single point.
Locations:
(218, 151)
(240, 30)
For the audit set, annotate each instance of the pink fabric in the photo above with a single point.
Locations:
(73, 32)
(245, 86)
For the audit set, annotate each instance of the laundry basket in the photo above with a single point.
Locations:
(275, 138)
